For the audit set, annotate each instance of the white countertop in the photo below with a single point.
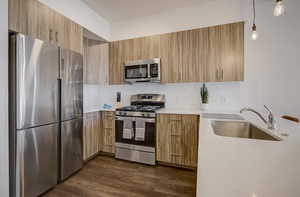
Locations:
(101, 109)
(238, 167)
(192, 111)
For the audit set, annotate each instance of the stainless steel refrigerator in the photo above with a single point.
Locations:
(71, 86)
(45, 115)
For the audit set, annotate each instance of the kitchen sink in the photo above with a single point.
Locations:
(241, 129)
(223, 116)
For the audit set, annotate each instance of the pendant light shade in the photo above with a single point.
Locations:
(279, 8)
(254, 34)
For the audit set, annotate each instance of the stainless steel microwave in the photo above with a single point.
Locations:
(142, 71)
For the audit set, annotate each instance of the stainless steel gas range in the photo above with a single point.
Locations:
(136, 128)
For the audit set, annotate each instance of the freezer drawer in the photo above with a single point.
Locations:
(71, 75)
(37, 72)
(36, 165)
(71, 147)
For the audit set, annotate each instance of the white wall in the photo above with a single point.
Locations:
(210, 13)
(186, 96)
(83, 15)
(271, 63)
(4, 180)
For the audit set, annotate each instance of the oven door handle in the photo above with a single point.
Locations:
(149, 120)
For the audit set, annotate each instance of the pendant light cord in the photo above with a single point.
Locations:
(254, 12)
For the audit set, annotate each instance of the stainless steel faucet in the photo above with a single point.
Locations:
(271, 123)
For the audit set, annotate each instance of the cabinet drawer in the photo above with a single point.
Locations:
(108, 140)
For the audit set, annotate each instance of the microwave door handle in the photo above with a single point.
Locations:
(149, 69)
(133, 129)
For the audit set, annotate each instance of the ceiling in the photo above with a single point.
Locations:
(120, 10)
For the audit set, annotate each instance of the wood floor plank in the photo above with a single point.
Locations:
(107, 177)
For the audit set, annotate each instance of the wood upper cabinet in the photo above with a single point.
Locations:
(116, 55)
(23, 16)
(194, 54)
(95, 64)
(76, 37)
(91, 134)
(129, 50)
(199, 55)
(171, 58)
(33, 18)
(177, 139)
(225, 53)
(108, 132)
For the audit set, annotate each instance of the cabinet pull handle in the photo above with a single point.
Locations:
(175, 135)
(217, 74)
(50, 35)
(56, 36)
(176, 155)
(222, 71)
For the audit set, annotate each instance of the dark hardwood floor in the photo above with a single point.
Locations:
(106, 177)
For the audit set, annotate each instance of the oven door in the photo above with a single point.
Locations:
(148, 132)
(137, 73)
(144, 132)
(120, 136)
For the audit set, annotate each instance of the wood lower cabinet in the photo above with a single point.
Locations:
(177, 139)
(98, 133)
(92, 124)
(108, 132)
(30, 17)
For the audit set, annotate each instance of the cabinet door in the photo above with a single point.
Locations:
(76, 37)
(212, 70)
(232, 50)
(58, 26)
(91, 134)
(165, 40)
(152, 47)
(175, 57)
(138, 48)
(126, 52)
(23, 16)
(177, 148)
(95, 56)
(108, 132)
(163, 138)
(194, 54)
(116, 63)
(45, 31)
(171, 57)
(177, 139)
(226, 53)
(190, 127)
(14, 15)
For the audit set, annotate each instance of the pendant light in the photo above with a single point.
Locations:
(279, 8)
(254, 34)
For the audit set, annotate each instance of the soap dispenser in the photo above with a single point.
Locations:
(118, 101)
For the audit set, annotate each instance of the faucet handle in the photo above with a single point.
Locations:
(271, 119)
(270, 111)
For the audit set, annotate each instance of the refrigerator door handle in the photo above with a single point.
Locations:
(59, 98)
